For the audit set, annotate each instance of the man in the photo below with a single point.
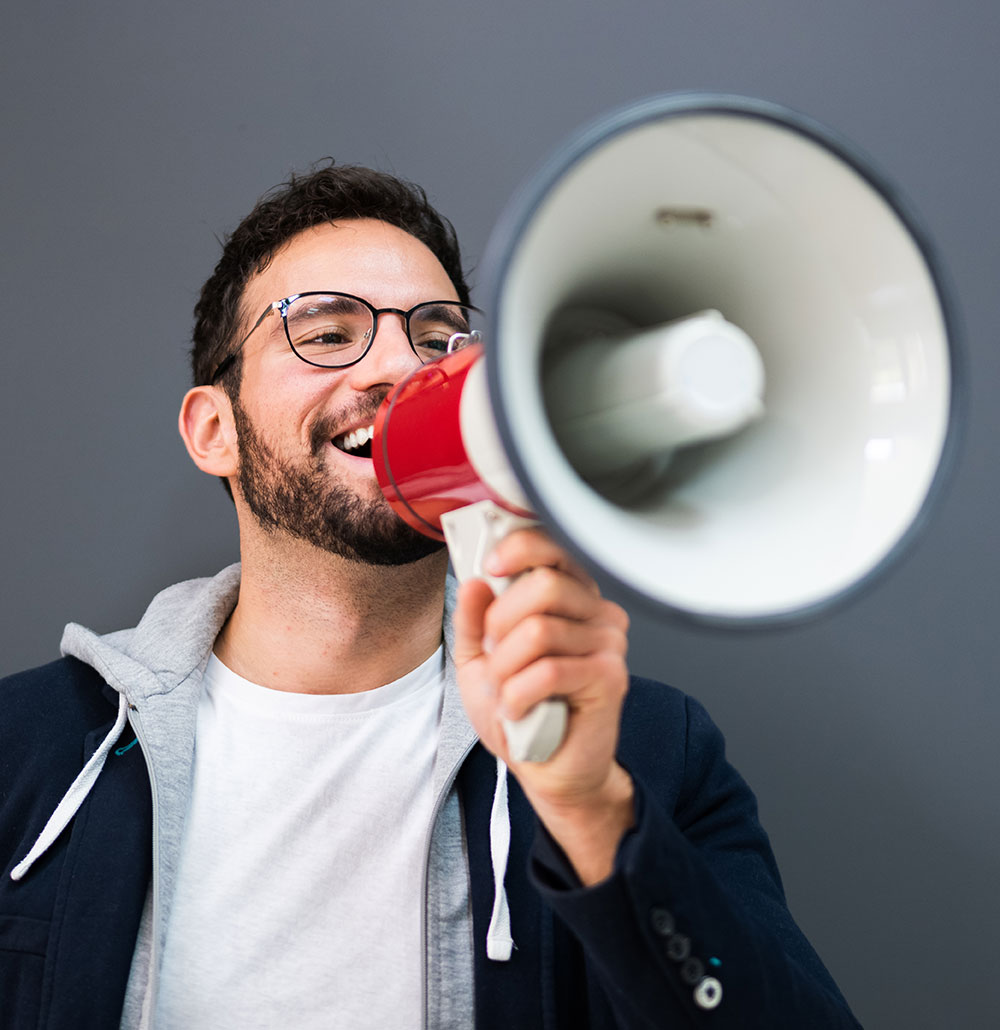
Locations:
(297, 818)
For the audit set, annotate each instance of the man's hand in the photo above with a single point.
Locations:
(551, 634)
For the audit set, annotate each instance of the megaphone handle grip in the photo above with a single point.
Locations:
(536, 736)
(471, 532)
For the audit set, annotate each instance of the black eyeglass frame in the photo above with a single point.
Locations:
(285, 303)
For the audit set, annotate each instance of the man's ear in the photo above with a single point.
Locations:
(206, 427)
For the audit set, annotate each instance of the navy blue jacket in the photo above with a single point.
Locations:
(695, 891)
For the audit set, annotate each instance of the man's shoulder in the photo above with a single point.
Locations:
(65, 692)
(650, 693)
(650, 703)
(62, 673)
(662, 726)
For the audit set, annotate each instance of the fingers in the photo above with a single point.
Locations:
(550, 632)
(600, 677)
(532, 548)
(538, 640)
(545, 581)
(545, 591)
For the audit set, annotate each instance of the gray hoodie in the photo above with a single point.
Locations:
(157, 669)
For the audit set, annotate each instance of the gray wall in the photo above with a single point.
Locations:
(134, 134)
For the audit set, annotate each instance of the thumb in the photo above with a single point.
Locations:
(474, 597)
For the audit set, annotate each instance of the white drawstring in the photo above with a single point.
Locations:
(498, 939)
(74, 797)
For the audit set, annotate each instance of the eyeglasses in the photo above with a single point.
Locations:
(335, 330)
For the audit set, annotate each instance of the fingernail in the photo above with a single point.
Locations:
(488, 645)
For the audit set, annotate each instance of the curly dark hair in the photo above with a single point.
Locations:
(327, 193)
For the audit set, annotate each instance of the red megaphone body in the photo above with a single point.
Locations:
(430, 457)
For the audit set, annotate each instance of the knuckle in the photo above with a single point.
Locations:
(547, 673)
(615, 641)
(546, 582)
(615, 670)
(616, 615)
(537, 632)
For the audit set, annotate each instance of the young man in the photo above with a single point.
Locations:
(297, 818)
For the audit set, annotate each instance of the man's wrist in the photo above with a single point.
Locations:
(589, 830)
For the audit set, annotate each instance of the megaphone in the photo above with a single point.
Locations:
(720, 365)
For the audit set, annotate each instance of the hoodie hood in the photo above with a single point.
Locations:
(172, 641)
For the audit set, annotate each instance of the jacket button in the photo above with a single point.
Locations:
(692, 971)
(708, 993)
(678, 947)
(663, 921)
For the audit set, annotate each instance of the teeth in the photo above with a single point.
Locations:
(356, 438)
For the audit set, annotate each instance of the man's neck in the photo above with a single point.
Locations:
(311, 622)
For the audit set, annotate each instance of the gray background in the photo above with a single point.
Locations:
(134, 134)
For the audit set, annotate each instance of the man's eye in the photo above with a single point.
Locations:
(326, 339)
(437, 343)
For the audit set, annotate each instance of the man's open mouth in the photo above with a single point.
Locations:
(358, 442)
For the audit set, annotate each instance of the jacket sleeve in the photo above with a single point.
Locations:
(691, 929)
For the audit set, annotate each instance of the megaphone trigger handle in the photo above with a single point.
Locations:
(471, 532)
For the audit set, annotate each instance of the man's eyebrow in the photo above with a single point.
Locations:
(331, 302)
(447, 311)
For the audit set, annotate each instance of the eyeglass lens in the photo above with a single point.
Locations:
(333, 329)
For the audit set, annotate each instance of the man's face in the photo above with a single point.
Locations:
(291, 417)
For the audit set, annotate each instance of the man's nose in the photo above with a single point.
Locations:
(390, 357)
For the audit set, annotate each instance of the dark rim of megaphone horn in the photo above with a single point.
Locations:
(523, 206)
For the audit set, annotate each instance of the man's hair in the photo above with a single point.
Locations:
(328, 193)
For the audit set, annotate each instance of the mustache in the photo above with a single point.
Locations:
(362, 410)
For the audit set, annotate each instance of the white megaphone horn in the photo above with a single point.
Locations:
(720, 365)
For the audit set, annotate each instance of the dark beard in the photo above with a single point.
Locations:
(301, 501)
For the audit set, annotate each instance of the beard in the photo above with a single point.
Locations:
(299, 499)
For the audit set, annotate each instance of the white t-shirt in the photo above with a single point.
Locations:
(300, 885)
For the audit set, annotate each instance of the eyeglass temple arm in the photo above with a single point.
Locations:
(226, 362)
